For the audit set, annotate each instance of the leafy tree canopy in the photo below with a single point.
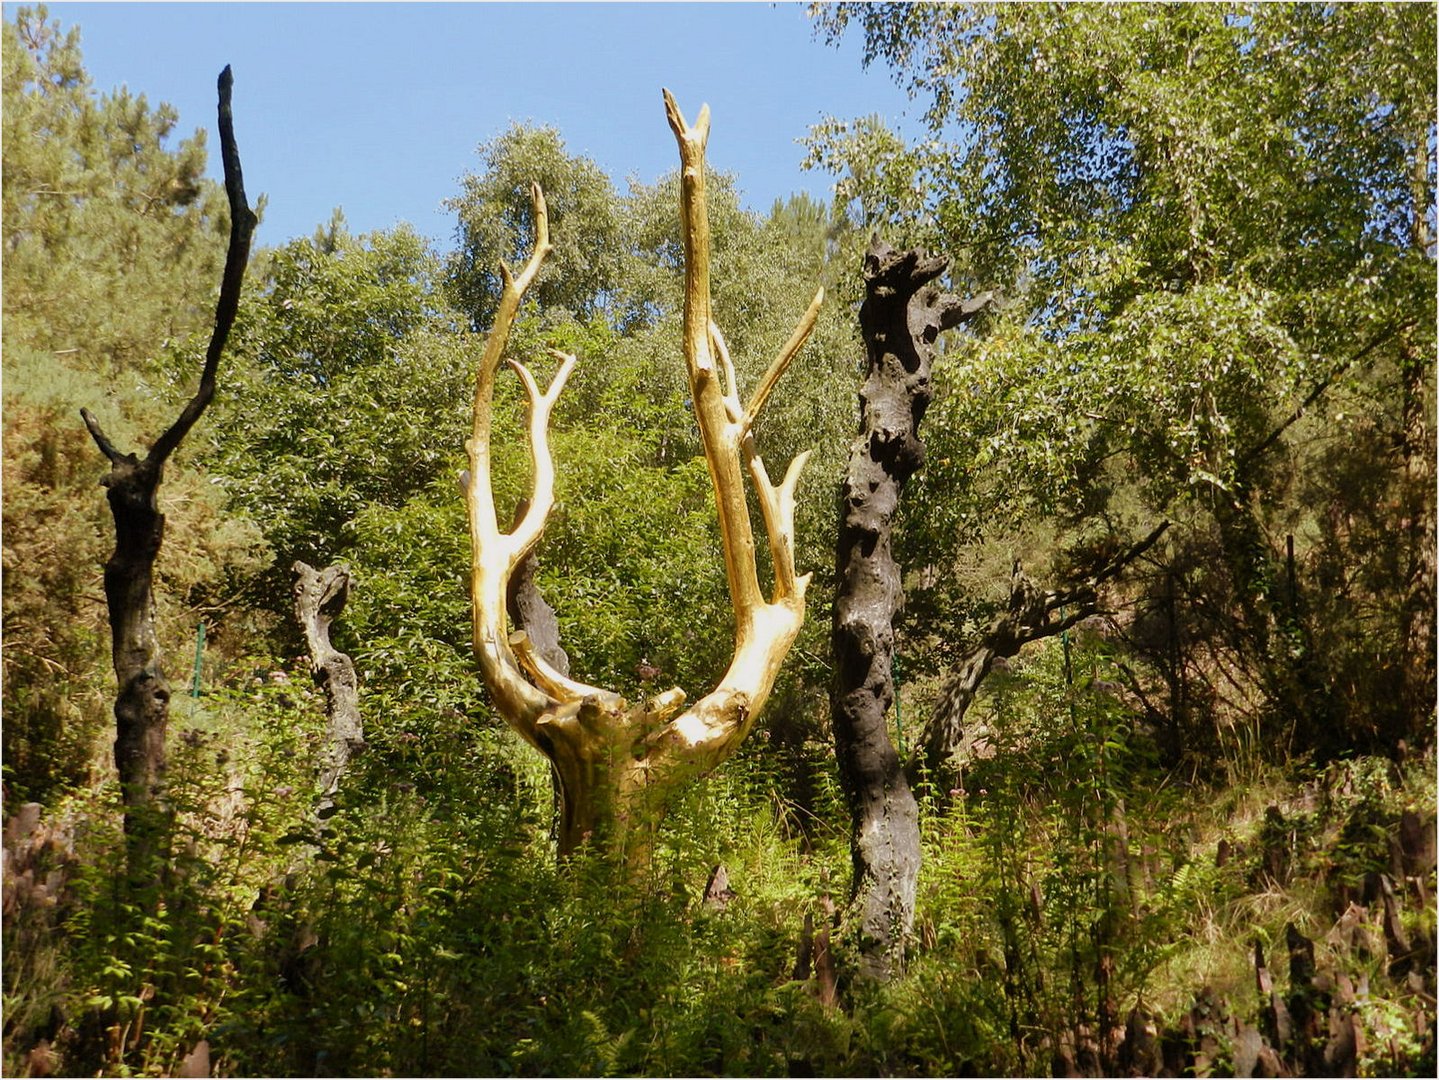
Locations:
(496, 223)
(1212, 228)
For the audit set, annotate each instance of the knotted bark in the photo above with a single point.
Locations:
(901, 318)
(320, 596)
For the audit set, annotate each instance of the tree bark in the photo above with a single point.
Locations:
(142, 705)
(901, 318)
(320, 596)
(1032, 614)
(531, 612)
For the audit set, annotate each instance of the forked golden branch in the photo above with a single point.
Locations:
(616, 763)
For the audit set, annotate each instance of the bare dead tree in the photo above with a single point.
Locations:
(617, 764)
(1033, 613)
(901, 319)
(320, 596)
(143, 700)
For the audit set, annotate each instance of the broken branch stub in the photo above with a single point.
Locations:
(320, 596)
(615, 763)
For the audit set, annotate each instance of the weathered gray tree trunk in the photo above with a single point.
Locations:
(320, 596)
(142, 705)
(901, 318)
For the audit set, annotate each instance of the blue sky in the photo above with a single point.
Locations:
(378, 107)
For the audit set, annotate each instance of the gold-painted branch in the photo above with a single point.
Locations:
(560, 687)
(730, 391)
(614, 762)
(493, 554)
(664, 706)
(542, 466)
(780, 364)
(763, 631)
(718, 434)
(776, 505)
(481, 498)
(541, 250)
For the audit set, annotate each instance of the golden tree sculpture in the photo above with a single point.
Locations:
(616, 764)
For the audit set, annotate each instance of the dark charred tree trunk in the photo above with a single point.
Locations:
(1033, 614)
(531, 612)
(142, 705)
(901, 318)
(320, 596)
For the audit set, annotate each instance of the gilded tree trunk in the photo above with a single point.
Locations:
(616, 764)
(901, 318)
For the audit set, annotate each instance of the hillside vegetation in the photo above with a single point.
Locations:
(1192, 834)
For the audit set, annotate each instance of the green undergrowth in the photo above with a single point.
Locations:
(426, 928)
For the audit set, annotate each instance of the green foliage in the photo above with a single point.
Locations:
(426, 928)
(101, 217)
(1209, 140)
(1069, 883)
(634, 598)
(55, 632)
(496, 222)
(113, 244)
(1212, 230)
(348, 390)
(1198, 217)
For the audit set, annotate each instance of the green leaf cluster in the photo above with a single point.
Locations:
(1212, 228)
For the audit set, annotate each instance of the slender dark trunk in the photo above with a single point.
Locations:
(320, 596)
(142, 704)
(901, 318)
